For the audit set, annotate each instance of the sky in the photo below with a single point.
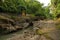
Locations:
(45, 2)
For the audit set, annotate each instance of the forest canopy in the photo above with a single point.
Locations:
(31, 7)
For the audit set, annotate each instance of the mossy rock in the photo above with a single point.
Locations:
(58, 27)
(39, 31)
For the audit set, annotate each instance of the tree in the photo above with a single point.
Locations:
(55, 4)
(30, 6)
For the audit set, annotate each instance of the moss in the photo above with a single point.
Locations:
(40, 32)
(58, 27)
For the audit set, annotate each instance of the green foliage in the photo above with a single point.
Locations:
(33, 7)
(47, 12)
(19, 6)
(56, 7)
(12, 5)
(28, 6)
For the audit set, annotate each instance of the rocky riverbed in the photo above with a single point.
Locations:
(42, 30)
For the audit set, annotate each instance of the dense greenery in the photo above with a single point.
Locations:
(28, 6)
(55, 4)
